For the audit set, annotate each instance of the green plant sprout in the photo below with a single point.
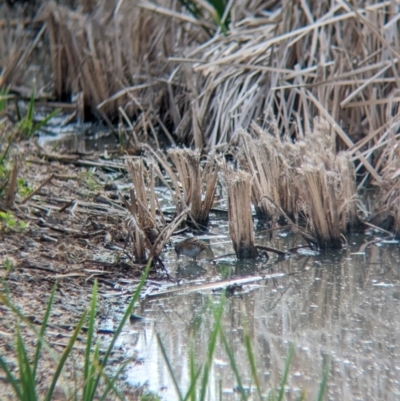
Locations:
(8, 264)
(27, 126)
(8, 223)
(23, 187)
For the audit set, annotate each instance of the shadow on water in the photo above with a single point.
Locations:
(343, 306)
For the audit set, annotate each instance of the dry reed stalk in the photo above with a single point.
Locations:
(305, 178)
(143, 223)
(239, 213)
(12, 186)
(198, 184)
(261, 160)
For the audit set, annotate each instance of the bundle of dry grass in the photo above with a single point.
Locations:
(198, 182)
(386, 213)
(326, 187)
(147, 227)
(239, 213)
(271, 162)
(303, 181)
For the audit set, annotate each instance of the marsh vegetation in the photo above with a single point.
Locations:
(279, 113)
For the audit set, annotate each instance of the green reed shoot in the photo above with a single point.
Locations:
(324, 382)
(26, 125)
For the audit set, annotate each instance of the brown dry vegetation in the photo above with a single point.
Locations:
(159, 70)
(298, 59)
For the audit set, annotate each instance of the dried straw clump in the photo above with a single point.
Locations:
(303, 181)
(148, 229)
(326, 187)
(271, 162)
(320, 205)
(386, 213)
(239, 213)
(198, 182)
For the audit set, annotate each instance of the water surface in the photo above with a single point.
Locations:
(340, 306)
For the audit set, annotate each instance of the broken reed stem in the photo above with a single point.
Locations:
(12, 186)
(193, 180)
(239, 213)
(35, 191)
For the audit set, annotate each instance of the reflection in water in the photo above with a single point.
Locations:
(342, 306)
(82, 138)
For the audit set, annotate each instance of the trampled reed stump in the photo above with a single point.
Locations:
(239, 213)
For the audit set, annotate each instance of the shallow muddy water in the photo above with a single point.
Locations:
(341, 307)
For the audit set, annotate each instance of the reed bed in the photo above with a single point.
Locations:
(161, 69)
(201, 82)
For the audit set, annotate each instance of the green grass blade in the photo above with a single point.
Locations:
(4, 97)
(89, 339)
(43, 122)
(10, 378)
(126, 316)
(286, 372)
(219, 6)
(64, 356)
(233, 364)
(110, 383)
(95, 369)
(170, 370)
(191, 393)
(193, 374)
(6, 301)
(25, 371)
(42, 330)
(324, 382)
(250, 356)
(31, 107)
(4, 155)
(196, 12)
(211, 347)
